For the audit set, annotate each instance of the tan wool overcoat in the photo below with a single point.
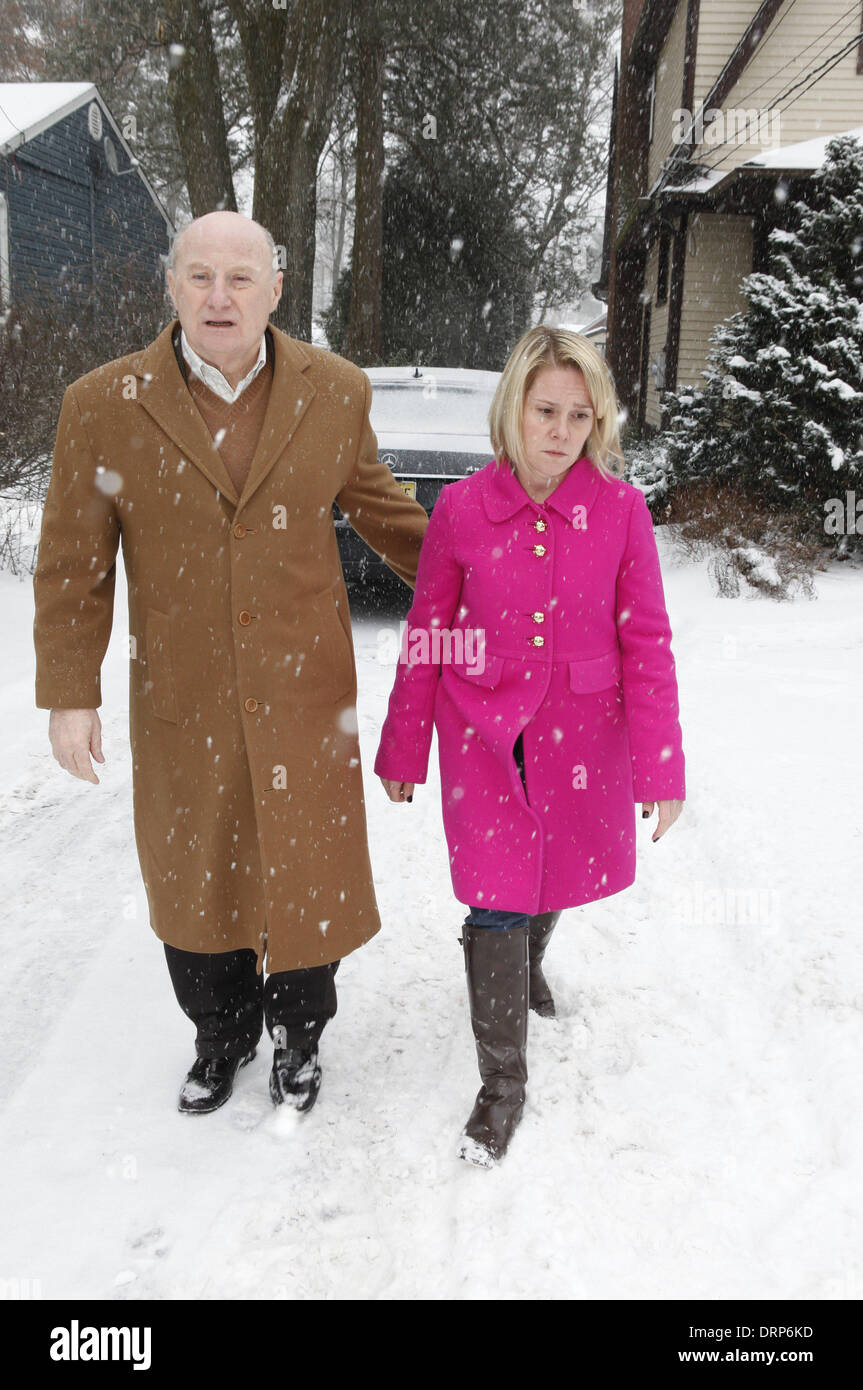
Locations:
(248, 797)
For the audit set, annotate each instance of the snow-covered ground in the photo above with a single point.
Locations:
(694, 1126)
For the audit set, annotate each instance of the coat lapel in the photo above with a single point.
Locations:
(577, 493)
(166, 397)
(503, 494)
(291, 394)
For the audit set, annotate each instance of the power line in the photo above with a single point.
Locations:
(771, 33)
(836, 60)
(795, 57)
(840, 53)
(14, 124)
(815, 74)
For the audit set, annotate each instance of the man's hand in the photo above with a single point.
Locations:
(74, 735)
(668, 813)
(398, 791)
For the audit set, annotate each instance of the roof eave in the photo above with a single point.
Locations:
(21, 137)
(89, 93)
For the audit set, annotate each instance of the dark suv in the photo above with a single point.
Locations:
(431, 425)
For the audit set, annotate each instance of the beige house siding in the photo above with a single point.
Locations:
(801, 37)
(658, 334)
(769, 106)
(718, 256)
(669, 92)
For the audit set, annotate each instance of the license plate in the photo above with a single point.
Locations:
(409, 486)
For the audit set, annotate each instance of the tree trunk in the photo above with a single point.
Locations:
(286, 157)
(286, 204)
(339, 248)
(364, 343)
(194, 87)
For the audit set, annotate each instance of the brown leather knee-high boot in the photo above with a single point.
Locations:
(540, 929)
(496, 963)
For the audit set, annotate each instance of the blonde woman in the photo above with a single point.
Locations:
(538, 645)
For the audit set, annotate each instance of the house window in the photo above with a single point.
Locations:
(662, 268)
(5, 280)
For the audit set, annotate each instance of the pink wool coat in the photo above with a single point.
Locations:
(577, 657)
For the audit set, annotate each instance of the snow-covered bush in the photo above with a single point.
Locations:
(648, 468)
(751, 546)
(19, 533)
(47, 343)
(781, 411)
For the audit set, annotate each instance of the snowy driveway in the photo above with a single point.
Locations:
(693, 1128)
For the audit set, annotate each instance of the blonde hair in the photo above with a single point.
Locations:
(543, 346)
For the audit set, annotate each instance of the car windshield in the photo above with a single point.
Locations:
(428, 409)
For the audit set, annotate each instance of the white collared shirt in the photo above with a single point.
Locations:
(212, 377)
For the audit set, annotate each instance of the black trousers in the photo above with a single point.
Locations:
(228, 1002)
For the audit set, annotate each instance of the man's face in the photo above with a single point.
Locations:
(224, 290)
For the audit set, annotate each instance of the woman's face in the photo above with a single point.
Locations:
(556, 422)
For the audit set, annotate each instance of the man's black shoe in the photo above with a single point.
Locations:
(296, 1077)
(210, 1083)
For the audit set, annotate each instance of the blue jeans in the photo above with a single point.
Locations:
(494, 920)
(490, 917)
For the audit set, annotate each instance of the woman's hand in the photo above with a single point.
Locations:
(668, 813)
(398, 791)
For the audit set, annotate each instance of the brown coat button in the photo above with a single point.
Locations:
(239, 530)
(251, 705)
(244, 618)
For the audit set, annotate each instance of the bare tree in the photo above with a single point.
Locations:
(194, 85)
(364, 323)
(293, 60)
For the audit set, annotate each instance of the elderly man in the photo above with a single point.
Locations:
(214, 456)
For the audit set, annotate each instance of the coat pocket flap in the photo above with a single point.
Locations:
(485, 670)
(595, 672)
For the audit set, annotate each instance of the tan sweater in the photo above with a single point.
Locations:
(235, 428)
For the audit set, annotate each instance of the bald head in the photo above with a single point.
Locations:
(225, 228)
(223, 279)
